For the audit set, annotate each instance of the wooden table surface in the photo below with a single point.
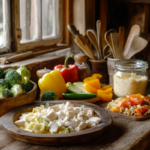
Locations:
(123, 135)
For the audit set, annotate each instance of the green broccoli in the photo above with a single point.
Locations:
(27, 85)
(41, 120)
(64, 130)
(17, 90)
(4, 84)
(6, 71)
(49, 95)
(1, 72)
(13, 77)
(24, 72)
(4, 92)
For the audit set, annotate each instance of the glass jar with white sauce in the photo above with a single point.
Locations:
(130, 77)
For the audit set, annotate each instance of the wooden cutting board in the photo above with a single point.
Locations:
(7, 123)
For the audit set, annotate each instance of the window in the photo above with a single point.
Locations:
(40, 20)
(5, 37)
(31, 24)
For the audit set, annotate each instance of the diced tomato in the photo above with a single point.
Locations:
(123, 104)
(130, 103)
(148, 98)
(135, 101)
(138, 110)
(144, 109)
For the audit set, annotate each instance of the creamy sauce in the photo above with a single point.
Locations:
(129, 83)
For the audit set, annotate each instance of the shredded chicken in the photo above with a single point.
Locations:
(60, 118)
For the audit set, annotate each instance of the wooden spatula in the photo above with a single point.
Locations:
(135, 31)
(81, 41)
(83, 44)
(137, 45)
(98, 25)
(121, 38)
(93, 38)
(115, 45)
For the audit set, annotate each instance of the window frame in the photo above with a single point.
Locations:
(16, 46)
(6, 27)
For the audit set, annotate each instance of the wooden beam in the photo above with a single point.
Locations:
(103, 18)
(67, 20)
(135, 1)
(147, 18)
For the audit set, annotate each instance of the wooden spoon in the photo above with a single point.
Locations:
(109, 41)
(135, 30)
(115, 45)
(98, 24)
(93, 38)
(121, 38)
(137, 45)
(81, 41)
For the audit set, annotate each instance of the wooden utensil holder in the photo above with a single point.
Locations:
(101, 68)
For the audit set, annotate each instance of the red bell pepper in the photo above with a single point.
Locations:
(70, 73)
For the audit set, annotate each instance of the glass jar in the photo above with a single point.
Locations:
(84, 69)
(130, 77)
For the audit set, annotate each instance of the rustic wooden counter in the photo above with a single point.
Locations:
(123, 135)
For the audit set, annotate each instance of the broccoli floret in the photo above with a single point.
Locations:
(4, 92)
(13, 77)
(1, 72)
(49, 95)
(27, 85)
(17, 90)
(41, 120)
(64, 130)
(4, 83)
(6, 71)
(24, 72)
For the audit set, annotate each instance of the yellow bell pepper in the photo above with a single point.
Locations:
(104, 96)
(97, 75)
(88, 79)
(115, 109)
(95, 83)
(94, 76)
(53, 81)
(89, 88)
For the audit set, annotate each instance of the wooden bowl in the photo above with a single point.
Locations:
(7, 123)
(7, 104)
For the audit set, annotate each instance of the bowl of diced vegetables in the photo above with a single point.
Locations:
(16, 89)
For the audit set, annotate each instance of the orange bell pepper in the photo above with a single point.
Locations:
(137, 96)
(97, 75)
(107, 91)
(104, 96)
(89, 88)
(88, 79)
(95, 83)
(106, 87)
(115, 109)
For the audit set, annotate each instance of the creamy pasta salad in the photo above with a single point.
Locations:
(58, 119)
(137, 105)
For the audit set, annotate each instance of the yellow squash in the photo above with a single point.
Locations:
(53, 81)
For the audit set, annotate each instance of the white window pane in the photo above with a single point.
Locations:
(51, 18)
(1, 24)
(28, 20)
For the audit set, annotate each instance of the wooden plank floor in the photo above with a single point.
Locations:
(123, 135)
